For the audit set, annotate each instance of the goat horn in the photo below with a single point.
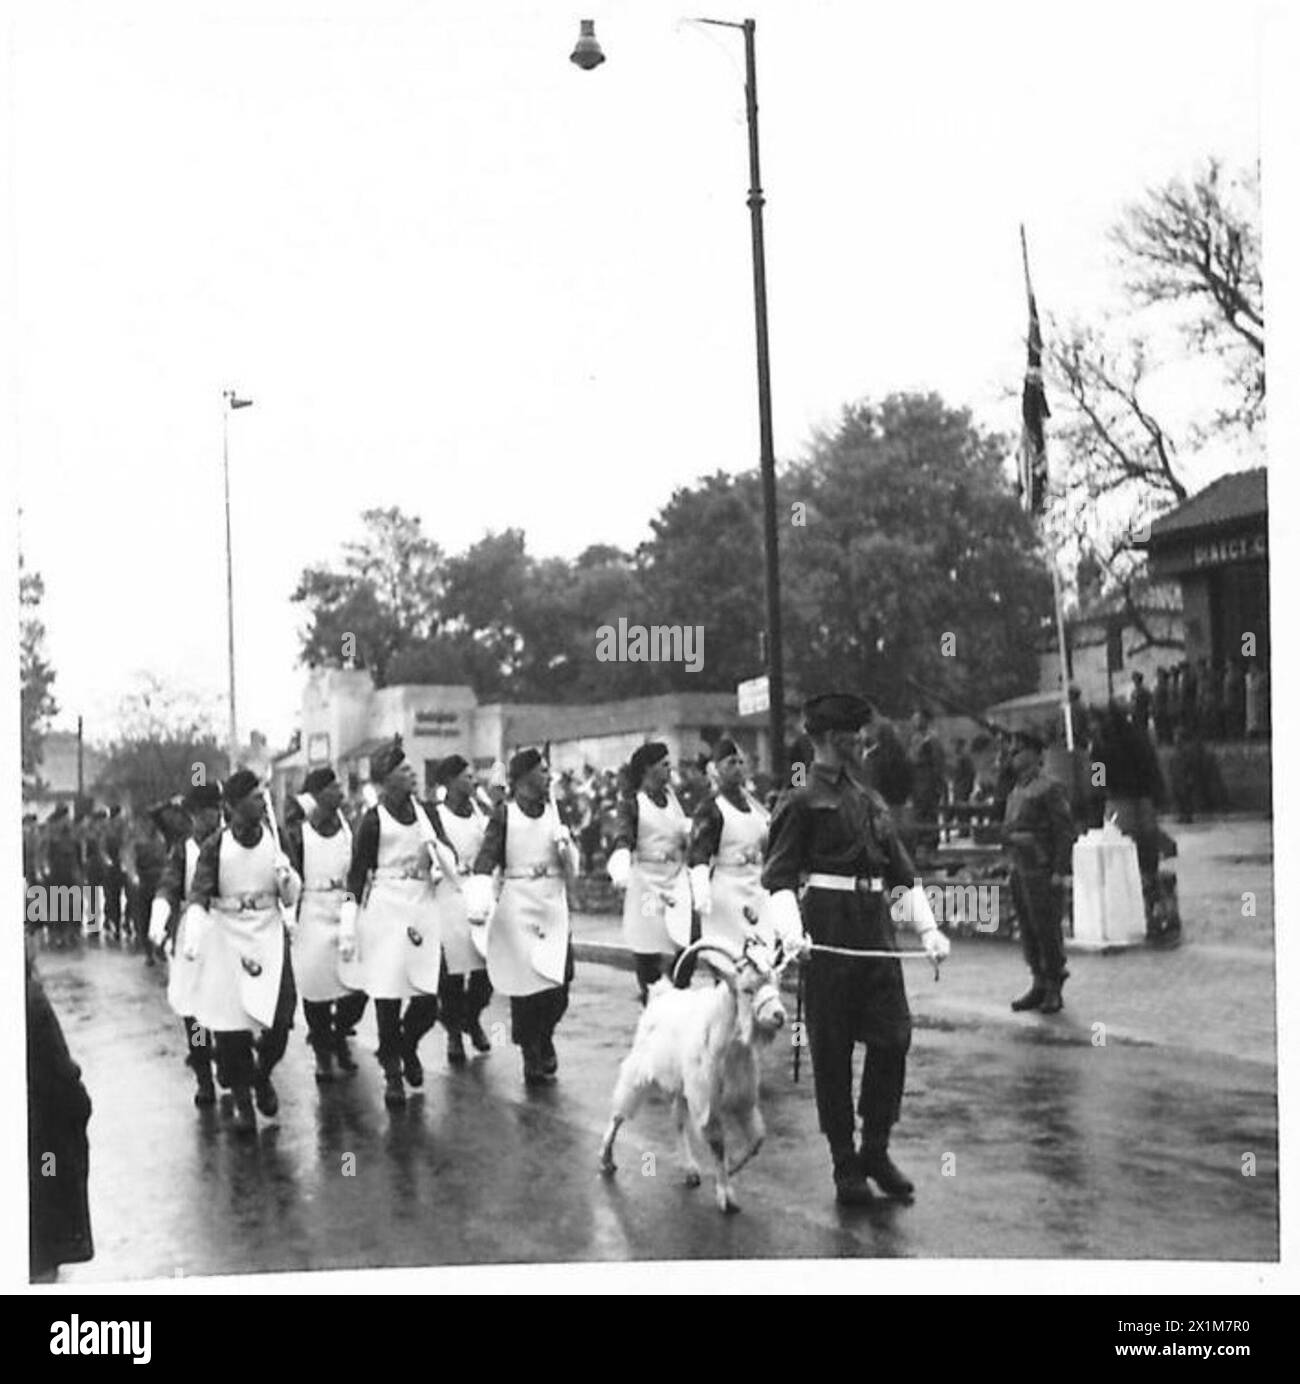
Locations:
(702, 946)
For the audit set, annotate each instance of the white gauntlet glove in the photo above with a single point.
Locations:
(348, 929)
(701, 890)
(914, 908)
(480, 898)
(779, 917)
(159, 912)
(197, 923)
(619, 867)
(287, 884)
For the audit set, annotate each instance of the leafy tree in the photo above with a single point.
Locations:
(168, 742)
(385, 599)
(36, 700)
(916, 561)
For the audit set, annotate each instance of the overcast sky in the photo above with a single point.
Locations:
(458, 275)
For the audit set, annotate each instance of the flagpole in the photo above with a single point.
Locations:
(1027, 497)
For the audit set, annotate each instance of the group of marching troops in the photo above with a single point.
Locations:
(428, 908)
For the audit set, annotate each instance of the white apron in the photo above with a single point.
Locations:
(399, 952)
(243, 951)
(528, 937)
(466, 836)
(325, 861)
(183, 974)
(737, 872)
(657, 907)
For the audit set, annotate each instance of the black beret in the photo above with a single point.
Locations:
(1030, 740)
(523, 763)
(725, 748)
(203, 795)
(386, 759)
(239, 785)
(836, 711)
(318, 779)
(450, 768)
(643, 757)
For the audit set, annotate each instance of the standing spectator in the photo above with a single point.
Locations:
(1160, 700)
(963, 773)
(1140, 704)
(63, 870)
(1234, 701)
(927, 780)
(114, 840)
(1187, 701)
(58, 1152)
(1209, 683)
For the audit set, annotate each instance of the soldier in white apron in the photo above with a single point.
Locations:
(237, 922)
(648, 860)
(167, 933)
(728, 835)
(319, 846)
(529, 952)
(391, 937)
(464, 989)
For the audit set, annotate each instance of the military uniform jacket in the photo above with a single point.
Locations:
(835, 825)
(1037, 828)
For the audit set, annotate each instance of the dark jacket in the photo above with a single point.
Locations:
(58, 1152)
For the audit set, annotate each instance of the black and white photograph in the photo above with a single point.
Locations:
(646, 644)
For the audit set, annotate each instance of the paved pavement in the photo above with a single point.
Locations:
(1026, 1136)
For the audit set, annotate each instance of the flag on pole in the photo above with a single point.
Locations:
(1033, 409)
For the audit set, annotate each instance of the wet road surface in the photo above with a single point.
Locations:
(1024, 1140)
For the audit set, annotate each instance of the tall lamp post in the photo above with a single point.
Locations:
(587, 55)
(230, 401)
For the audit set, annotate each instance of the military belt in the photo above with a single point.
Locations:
(847, 884)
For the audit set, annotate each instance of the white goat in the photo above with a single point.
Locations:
(699, 1047)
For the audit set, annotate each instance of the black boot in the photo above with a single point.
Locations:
(476, 1035)
(1032, 998)
(851, 1188)
(343, 1056)
(244, 1121)
(267, 1100)
(206, 1094)
(535, 1073)
(1052, 1001)
(550, 1062)
(394, 1091)
(882, 1170)
(412, 1068)
(456, 1049)
(324, 1066)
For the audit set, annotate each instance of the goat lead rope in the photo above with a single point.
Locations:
(874, 955)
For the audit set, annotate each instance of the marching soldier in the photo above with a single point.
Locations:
(836, 837)
(726, 851)
(236, 921)
(319, 846)
(1039, 837)
(169, 924)
(464, 990)
(529, 954)
(648, 861)
(388, 927)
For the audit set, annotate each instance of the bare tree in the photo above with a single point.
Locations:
(1197, 245)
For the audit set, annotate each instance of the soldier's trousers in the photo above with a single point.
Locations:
(462, 998)
(1038, 908)
(533, 1018)
(330, 1021)
(400, 1034)
(200, 1050)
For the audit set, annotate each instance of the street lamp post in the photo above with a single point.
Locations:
(588, 55)
(230, 402)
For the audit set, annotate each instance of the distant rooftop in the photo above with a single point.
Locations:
(1230, 499)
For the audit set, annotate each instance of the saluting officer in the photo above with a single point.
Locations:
(1039, 837)
(835, 837)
